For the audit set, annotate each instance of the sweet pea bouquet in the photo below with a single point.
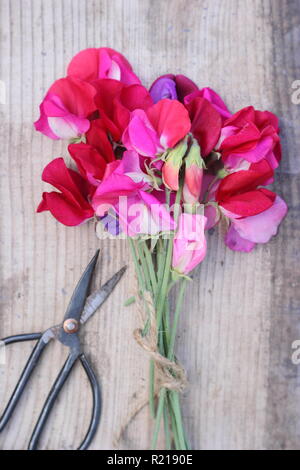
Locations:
(160, 167)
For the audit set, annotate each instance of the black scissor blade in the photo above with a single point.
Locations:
(81, 291)
(97, 298)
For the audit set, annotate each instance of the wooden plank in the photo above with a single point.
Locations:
(241, 310)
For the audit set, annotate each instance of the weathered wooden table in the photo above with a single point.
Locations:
(242, 310)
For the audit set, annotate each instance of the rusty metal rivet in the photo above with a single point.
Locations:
(70, 325)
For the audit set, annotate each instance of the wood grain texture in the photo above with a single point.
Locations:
(241, 312)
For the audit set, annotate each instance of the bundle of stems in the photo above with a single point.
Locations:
(154, 273)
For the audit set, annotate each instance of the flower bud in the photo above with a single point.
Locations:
(171, 168)
(194, 165)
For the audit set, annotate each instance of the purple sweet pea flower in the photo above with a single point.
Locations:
(174, 87)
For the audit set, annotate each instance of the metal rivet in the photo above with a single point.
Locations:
(70, 325)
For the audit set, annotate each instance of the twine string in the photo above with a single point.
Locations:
(169, 374)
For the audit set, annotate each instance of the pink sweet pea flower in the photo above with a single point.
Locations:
(250, 135)
(144, 214)
(174, 87)
(158, 128)
(71, 205)
(189, 246)
(65, 109)
(245, 232)
(94, 63)
(122, 178)
(211, 96)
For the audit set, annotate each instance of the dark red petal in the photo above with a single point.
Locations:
(184, 86)
(63, 210)
(97, 137)
(135, 97)
(243, 140)
(250, 203)
(241, 117)
(244, 180)
(88, 160)
(265, 118)
(206, 124)
(66, 180)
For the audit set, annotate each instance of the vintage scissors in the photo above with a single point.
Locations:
(80, 309)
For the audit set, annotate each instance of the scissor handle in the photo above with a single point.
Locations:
(56, 388)
(96, 413)
(27, 371)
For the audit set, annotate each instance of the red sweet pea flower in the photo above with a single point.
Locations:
(66, 108)
(97, 137)
(211, 96)
(90, 163)
(238, 193)
(206, 123)
(115, 101)
(70, 206)
(250, 135)
(93, 63)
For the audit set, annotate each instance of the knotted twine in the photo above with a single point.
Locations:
(169, 374)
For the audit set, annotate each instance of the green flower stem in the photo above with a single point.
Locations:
(144, 264)
(159, 414)
(167, 429)
(173, 423)
(162, 295)
(176, 318)
(151, 270)
(138, 271)
(174, 398)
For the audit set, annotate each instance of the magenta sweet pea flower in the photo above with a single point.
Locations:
(174, 87)
(160, 127)
(94, 63)
(189, 246)
(65, 109)
(71, 205)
